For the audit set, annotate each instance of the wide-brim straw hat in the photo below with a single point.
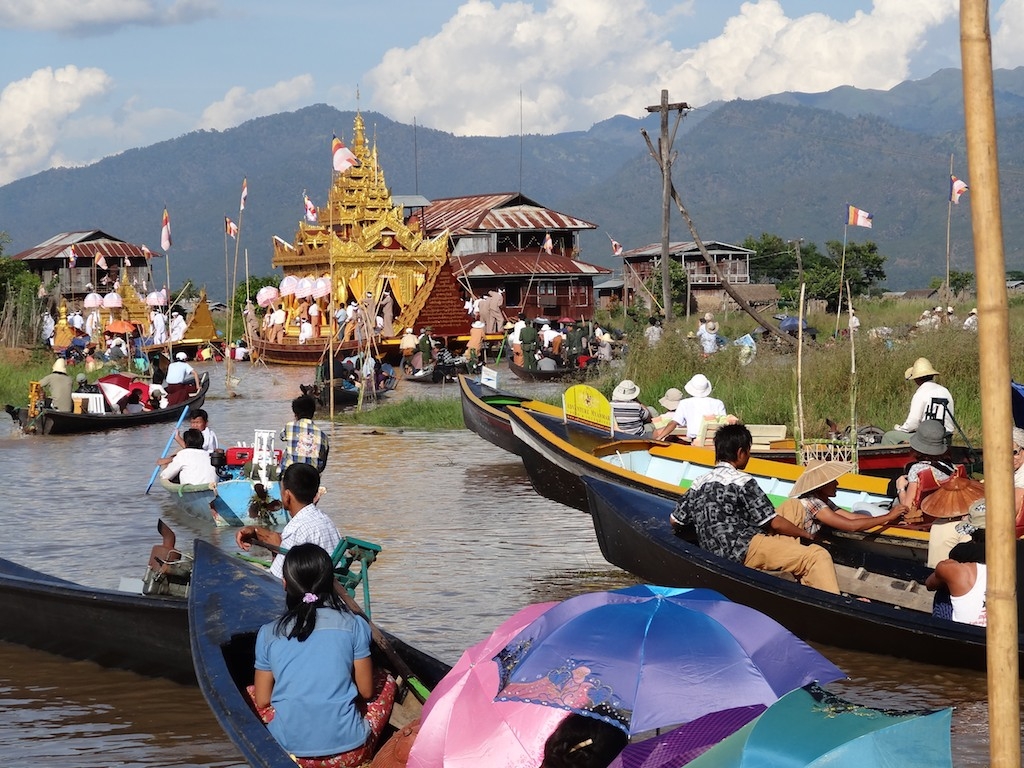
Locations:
(671, 398)
(921, 367)
(953, 498)
(59, 366)
(509, 325)
(478, 323)
(930, 438)
(708, 317)
(698, 386)
(626, 390)
(817, 474)
(606, 337)
(711, 326)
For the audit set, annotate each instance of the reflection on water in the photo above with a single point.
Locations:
(466, 542)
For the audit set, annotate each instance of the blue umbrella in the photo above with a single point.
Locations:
(811, 727)
(646, 657)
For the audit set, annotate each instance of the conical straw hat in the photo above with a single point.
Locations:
(953, 498)
(818, 473)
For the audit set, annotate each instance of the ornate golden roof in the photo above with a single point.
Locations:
(362, 239)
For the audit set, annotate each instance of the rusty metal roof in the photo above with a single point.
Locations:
(522, 264)
(714, 247)
(88, 245)
(494, 213)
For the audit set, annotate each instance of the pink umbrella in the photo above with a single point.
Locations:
(156, 299)
(92, 300)
(462, 725)
(321, 288)
(266, 295)
(112, 301)
(288, 285)
(304, 289)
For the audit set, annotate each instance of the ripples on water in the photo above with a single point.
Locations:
(466, 542)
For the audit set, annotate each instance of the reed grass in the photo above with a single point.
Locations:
(17, 369)
(764, 392)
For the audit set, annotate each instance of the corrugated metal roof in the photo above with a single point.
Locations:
(605, 285)
(685, 247)
(494, 213)
(88, 245)
(523, 264)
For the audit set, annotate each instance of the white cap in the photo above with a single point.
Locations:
(181, 356)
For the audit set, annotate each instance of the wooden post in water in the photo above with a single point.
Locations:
(994, 360)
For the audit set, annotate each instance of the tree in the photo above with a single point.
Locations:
(774, 260)
(960, 281)
(677, 285)
(255, 283)
(863, 269)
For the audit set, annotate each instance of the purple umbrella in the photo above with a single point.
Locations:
(647, 657)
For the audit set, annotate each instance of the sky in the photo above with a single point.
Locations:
(86, 79)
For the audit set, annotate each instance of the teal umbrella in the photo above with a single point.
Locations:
(812, 727)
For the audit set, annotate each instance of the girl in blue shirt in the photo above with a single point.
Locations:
(314, 683)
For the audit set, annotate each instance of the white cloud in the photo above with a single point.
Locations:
(762, 51)
(34, 113)
(99, 15)
(579, 61)
(239, 105)
(1008, 39)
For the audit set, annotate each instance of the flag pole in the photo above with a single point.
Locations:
(234, 288)
(842, 277)
(167, 265)
(949, 217)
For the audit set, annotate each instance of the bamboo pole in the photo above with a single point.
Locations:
(994, 360)
(800, 379)
(853, 385)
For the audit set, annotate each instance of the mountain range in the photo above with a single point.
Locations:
(787, 164)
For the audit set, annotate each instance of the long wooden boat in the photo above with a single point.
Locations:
(50, 422)
(882, 460)
(228, 505)
(146, 634)
(558, 374)
(228, 604)
(634, 534)
(485, 412)
(558, 455)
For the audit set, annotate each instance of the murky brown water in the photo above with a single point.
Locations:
(466, 542)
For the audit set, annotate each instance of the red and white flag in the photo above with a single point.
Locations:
(311, 214)
(245, 193)
(165, 232)
(616, 246)
(73, 257)
(343, 157)
(230, 228)
(146, 252)
(956, 188)
(548, 245)
(101, 261)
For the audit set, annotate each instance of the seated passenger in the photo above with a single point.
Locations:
(629, 414)
(930, 449)
(810, 504)
(735, 519)
(132, 403)
(691, 411)
(314, 678)
(964, 575)
(191, 465)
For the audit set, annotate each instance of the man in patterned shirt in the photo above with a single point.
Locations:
(735, 519)
(304, 442)
(300, 485)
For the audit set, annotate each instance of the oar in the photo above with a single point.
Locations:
(419, 690)
(170, 441)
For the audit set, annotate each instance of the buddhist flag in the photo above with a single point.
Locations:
(230, 228)
(855, 217)
(73, 257)
(165, 232)
(310, 208)
(548, 245)
(101, 261)
(343, 157)
(956, 188)
(146, 252)
(616, 247)
(245, 193)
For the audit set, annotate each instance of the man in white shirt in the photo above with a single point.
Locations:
(178, 372)
(922, 373)
(199, 420)
(191, 465)
(178, 326)
(159, 326)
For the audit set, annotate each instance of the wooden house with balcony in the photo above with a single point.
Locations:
(706, 290)
(508, 242)
(73, 264)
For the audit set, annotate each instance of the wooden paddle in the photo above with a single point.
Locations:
(170, 441)
(419, 690)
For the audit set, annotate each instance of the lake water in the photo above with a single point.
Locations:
(466, 542)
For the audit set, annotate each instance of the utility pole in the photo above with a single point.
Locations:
(665, 158)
